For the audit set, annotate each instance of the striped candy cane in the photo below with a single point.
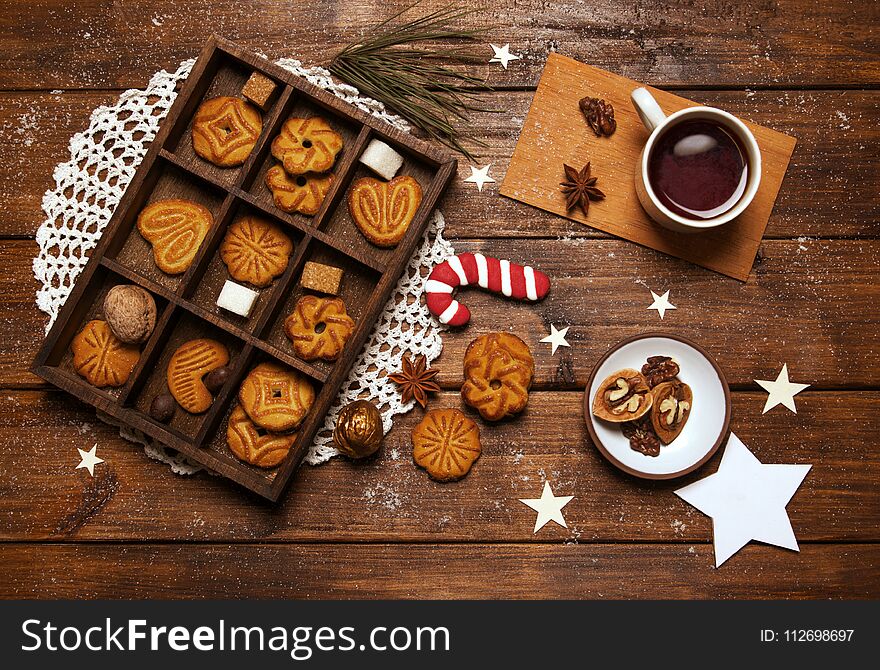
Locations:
(521, 282)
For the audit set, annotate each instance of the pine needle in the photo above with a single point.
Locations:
(433, 97)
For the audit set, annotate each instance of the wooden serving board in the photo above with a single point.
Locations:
(555, 132)
(187, 303)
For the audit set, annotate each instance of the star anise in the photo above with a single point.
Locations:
(580, 188)
(415, 380)
(599, 115)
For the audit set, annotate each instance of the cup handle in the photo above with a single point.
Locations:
(648, 109)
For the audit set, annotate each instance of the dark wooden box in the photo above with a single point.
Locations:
(186, 302)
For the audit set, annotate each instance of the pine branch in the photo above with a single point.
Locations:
(433, 97)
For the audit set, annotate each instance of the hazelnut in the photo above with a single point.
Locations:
(216, 379)
(162, 408)
(130, 311)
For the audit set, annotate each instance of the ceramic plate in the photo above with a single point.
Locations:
(704, 431)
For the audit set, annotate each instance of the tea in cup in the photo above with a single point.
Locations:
(699, 169)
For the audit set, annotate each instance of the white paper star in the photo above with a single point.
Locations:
(661, 303)
(89, 460)
(556, 338)
(548, 507)
(782, 391)
(746, 500)
(502, 55)
(480, 177)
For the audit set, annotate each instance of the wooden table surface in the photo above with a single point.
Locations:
(382, 529)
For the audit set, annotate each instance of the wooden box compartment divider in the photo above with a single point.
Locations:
(186, 303)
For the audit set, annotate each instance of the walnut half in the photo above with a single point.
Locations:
(659, 369)
(622, 396)
(672, 407)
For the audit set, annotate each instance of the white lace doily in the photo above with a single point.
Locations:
(104, 158)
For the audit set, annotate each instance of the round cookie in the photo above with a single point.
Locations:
(276, 397)
(189, 363)
(225, 130)
(175, 229)
(383, 210)
(318, 328)
(254, 445)
(101, 358)
(306, 145)
(255, 250)
(303, 193)
(446, 443)
(498, 371)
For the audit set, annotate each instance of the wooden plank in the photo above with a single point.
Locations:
(809, 303)
(388, 499)
(553, 134)
(476, 571)
(790, 42)
(825, 192)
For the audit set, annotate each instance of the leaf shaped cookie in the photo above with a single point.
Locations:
(306, 145)
(383, 210)
(101, 358)
(176, 229)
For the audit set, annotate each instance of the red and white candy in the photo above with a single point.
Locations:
(521, 282)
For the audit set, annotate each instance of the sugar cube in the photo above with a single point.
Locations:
(259, 89)
(237, 299)
(381, 159)
(320, 277)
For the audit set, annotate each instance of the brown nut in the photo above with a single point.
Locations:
(660, 369)
(671, 408)
(641, 436)
(358, 431)
(162, 408)
(130, 311)
(622, 396)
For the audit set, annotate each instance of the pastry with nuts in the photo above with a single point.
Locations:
(187, 371)
(623, 396)
(671, 408)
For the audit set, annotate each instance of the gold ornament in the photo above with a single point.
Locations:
(358, 431)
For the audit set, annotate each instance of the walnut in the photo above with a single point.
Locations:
(623, 396)
(130, 311)
(641, 436)
(660, 369)
(599, 115)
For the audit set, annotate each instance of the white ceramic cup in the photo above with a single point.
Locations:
(656, 122)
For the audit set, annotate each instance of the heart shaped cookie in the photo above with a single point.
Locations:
(188, 365)
(175, 229)
(383, 210)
